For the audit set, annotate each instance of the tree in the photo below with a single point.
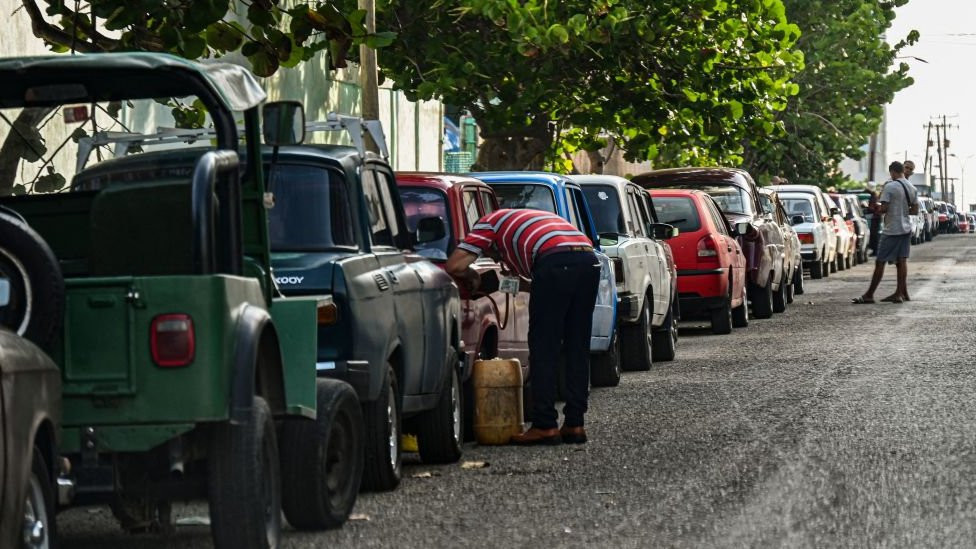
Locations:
(268, 34)
(847, 80)
(680, 82)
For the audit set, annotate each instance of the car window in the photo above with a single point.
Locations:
(678, 211)
(800, 206)
(604, 202)
(717, 218)
(470, 201)
(766, 204)
(312, 209)
(379, 223)
(730, 199)
(637, 214)
(649, 205)
(421, 202)
(578, 204)
(574, 217)
(487, 202)
(525, 195)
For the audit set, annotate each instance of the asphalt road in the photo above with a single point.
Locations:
(831, 425)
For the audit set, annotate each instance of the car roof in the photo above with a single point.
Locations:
(442, 181)
(679, 176)
(810, 189)
(547, 178)
(600, 179)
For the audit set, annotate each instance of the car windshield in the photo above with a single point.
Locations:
(311, 210)
(421, 202)
(530, 196)
(729, 198)
(678, 211)
(799, 206)
(604, 202)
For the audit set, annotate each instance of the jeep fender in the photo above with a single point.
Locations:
(255, 343)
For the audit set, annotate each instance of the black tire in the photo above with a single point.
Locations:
(322, 460)
(722, 317)
(849, 261)
(740, 314)
(833, 265)
(762, 299)
(36, 306)
(383, 460)
(605, 367)
(816, 270)
(665, 341)
(635, 343)
(779, 298)
(798, 281)
(244, 482)
(440, 431)
(790, 291)
(39, 506)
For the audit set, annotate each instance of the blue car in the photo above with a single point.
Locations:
(559, 195)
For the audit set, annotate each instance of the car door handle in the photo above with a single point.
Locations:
(393, 277)
(729, 248)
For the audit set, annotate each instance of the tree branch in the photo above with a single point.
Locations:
(49, 33)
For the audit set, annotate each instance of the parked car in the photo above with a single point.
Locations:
(645, 273)
(792, 261)
(559, 195)
(972, 223)
(847, 216)
(738, 197)
(855, 215)
(930, 221)
(829, 249)
(495, 325)
(845, 236)
(30, 424)
(943, 216)
(711, 266)
(963, 223)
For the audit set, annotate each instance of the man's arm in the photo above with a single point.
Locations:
(459, 266)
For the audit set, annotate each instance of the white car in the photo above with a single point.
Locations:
(626, 222)
(818, 242)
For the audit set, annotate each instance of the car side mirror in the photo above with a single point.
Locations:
(834, 211)
(797, 220)
(609, 238)
(4, 292)
(663, 231)
(742, 228)
(284, 123)
(430, 229)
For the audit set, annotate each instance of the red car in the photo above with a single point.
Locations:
(711, 266)
(491, 326)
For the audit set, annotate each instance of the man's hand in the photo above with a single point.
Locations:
(471, 279)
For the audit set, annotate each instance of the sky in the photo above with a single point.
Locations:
(946, 85)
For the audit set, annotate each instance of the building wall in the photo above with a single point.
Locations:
(859, 170)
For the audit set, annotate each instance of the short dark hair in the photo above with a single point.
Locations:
(896, 167)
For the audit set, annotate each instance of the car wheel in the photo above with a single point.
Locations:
(848, 261)
(383, 465)
(665, 340)
(740, 314)
(36, 306)
(789, 290)
(40, 528)
(635, 344)
(816, 270)
(322, 460)
(779, 298)
(440, 431)
(605, 367)
(832, 268)
(798, 281)
(722, 317)
(245, 483)
(762, 299)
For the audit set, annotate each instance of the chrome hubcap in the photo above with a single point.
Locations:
(456, 407)
(35, 517)
(391, 415)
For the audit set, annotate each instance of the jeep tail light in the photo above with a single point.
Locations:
(805, 238)
(172, 340)
(618, 270)
(327, 314)
(707, 250)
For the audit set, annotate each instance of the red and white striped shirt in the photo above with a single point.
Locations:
(521, 235)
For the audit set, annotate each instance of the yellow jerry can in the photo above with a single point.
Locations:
(497, 400)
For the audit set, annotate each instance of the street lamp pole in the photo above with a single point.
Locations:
(962, 178)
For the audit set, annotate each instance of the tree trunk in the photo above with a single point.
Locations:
(13, 145)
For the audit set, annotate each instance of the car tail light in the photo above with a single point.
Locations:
(805, 238)
(172, 340)
(618, 270)
(707, 249)
(327, 314)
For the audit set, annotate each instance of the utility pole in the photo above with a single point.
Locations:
(872, 145)
(927, 164)
(938, 151)
(368, 79)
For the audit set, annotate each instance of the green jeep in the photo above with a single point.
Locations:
(184, 373)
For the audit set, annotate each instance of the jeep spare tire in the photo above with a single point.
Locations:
(35, 307)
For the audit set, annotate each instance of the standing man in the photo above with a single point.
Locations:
(909, 170)
(565, 275)
(898, 200)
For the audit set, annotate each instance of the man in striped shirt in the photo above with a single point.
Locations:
(564, 274)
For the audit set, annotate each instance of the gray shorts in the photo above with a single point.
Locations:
(894, 247)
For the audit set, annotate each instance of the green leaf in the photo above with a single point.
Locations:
(224, 37)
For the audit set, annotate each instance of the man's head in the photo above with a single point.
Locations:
(896, 169)
(909, 168)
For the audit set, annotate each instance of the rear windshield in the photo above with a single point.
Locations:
(678, 211)
(604, 202)
(730, 198)
(421, 202)
(311, 209)
(525, 196)
(799, 206)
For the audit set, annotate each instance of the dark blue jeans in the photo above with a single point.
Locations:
(564, 289)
